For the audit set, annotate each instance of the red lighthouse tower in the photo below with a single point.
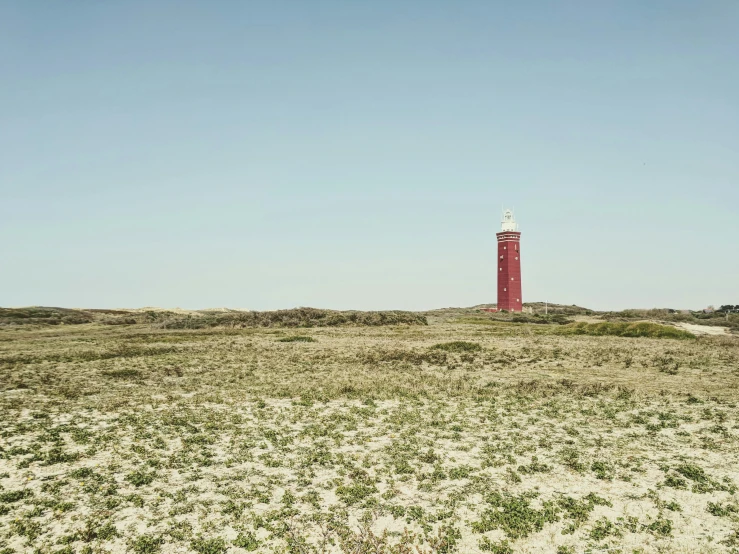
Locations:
(509, 265)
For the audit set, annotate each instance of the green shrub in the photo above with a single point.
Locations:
(660, 527)
(514, 515)
(139, 478)
(604, 528)
(147, 544)
(675, 482)
(602, 470)
(351, 494)
(461, 472)
(722, 510)
(82, 473)
(26, 528)
(534, 467)
(58, 456)
(202, 545)
(247, 541)
(692, 472)
(15, 496)
(458, 346)
(503, 547)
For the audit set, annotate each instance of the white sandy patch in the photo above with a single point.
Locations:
(702, 329)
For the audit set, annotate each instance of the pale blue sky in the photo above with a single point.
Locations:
(348, 154)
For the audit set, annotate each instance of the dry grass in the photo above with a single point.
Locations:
(450, 437)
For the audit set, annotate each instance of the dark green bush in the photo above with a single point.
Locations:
(458, 346)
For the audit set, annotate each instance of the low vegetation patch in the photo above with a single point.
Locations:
(624, 329)
(514, 317)
(397, 355)
(43, 316)
(458, 346)
(514, 515)
(726, 316)
(298, 317)
(297, 338)
(124, 373)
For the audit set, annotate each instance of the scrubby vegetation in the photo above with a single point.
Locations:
(543, 308)
(297, 338)
(43, 316)
(458, 346)
(618, 329)
(557, 309)
(726, 318)
(297, 317)
(486, 318)
(440, 438)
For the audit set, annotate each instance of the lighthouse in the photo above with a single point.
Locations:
(509, 265)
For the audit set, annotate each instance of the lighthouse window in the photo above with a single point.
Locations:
(516, 257)
(505, 247)
(511, 278)
(501, 269)
(504, 289)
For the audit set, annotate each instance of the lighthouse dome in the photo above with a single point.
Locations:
(508, 223)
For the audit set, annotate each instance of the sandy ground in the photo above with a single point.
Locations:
(432, 439)
(702, 329)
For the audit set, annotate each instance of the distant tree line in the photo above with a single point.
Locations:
(729, 309)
